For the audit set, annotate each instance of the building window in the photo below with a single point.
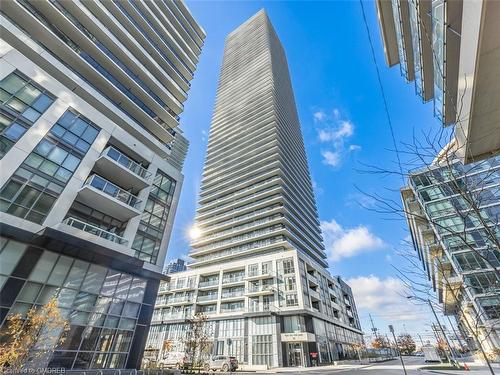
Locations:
(294, 323)
(22, 102)
(262, 350)
(102, 305)
(32, 190)
(288, 266)
(148, 239)
(291, 300)
(96, 218)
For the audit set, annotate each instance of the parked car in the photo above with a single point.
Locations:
(174, 360)
(221, 362)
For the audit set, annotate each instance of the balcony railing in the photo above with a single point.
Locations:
(263, 288)
(112, 190)
(234, 279)
(208, 297)
(255, 273)
(208, 283)
(231, 309)
(233, 294)
(179, 299)
(96, 231)
(126, 162)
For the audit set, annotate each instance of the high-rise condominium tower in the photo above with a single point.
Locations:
(259, 268)
(91, 158)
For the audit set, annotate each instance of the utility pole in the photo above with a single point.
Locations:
(374, 330)
(391, 328)
(456, 335)
(444, 334)
(421, 341)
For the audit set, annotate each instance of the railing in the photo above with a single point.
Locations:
(238, 228)
(255, 273)
(126, 162)
(208, 297)
(242, 217)
(235, 279)
(179, 299)
(208, 283)
(263, 288)
(96, 231)
(233, 294)
(112, 190)
(234, 309)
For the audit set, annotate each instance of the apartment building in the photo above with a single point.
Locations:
(452, 211)
(451, 51)
(91, 165)
(258, 270)
(176, 265)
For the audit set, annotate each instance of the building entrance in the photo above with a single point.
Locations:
(295, 354)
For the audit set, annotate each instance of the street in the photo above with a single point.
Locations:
(386, 368)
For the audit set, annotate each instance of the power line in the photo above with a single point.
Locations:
(382, 90)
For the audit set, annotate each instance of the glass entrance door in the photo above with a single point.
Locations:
(295, 354)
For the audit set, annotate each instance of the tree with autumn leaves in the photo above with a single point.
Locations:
(380, 342)
(406, 344)
(27, 342)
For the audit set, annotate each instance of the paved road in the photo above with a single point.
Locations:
(386, 368)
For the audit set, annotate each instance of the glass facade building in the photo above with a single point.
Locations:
(91, 157)
(453, 214)
(445, 48)
(258, 257)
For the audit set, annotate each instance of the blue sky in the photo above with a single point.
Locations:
(344, 125)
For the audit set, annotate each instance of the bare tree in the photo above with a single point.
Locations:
(197, 340)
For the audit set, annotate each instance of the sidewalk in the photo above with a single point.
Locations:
(474, 369)
(315, 368)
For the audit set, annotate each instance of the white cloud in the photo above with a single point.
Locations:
(331, 158)
(344, 130)
(348, 242)
(384, 298)
(353, 148)
(319, 116)
(334, 131)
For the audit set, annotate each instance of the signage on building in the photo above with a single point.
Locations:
(298, 336)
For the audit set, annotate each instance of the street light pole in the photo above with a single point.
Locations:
(391, 328)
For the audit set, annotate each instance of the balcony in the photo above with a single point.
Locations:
(260, 291)
(207, 298)
(232, 310)
(122, 170)
(96, 231)
(179, 301)
(314, 295)
(257, 274)
(234, 280)
(312, 279)
(233, 295)
(109, 198)
(208, 283)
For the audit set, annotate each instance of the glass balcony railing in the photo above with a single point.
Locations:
(92, 229)
(208, 297)
(112, 190)
(255, 273)
(258, 289)
(126, 162)
(233, 279)
(233, 294)
(208, 283)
